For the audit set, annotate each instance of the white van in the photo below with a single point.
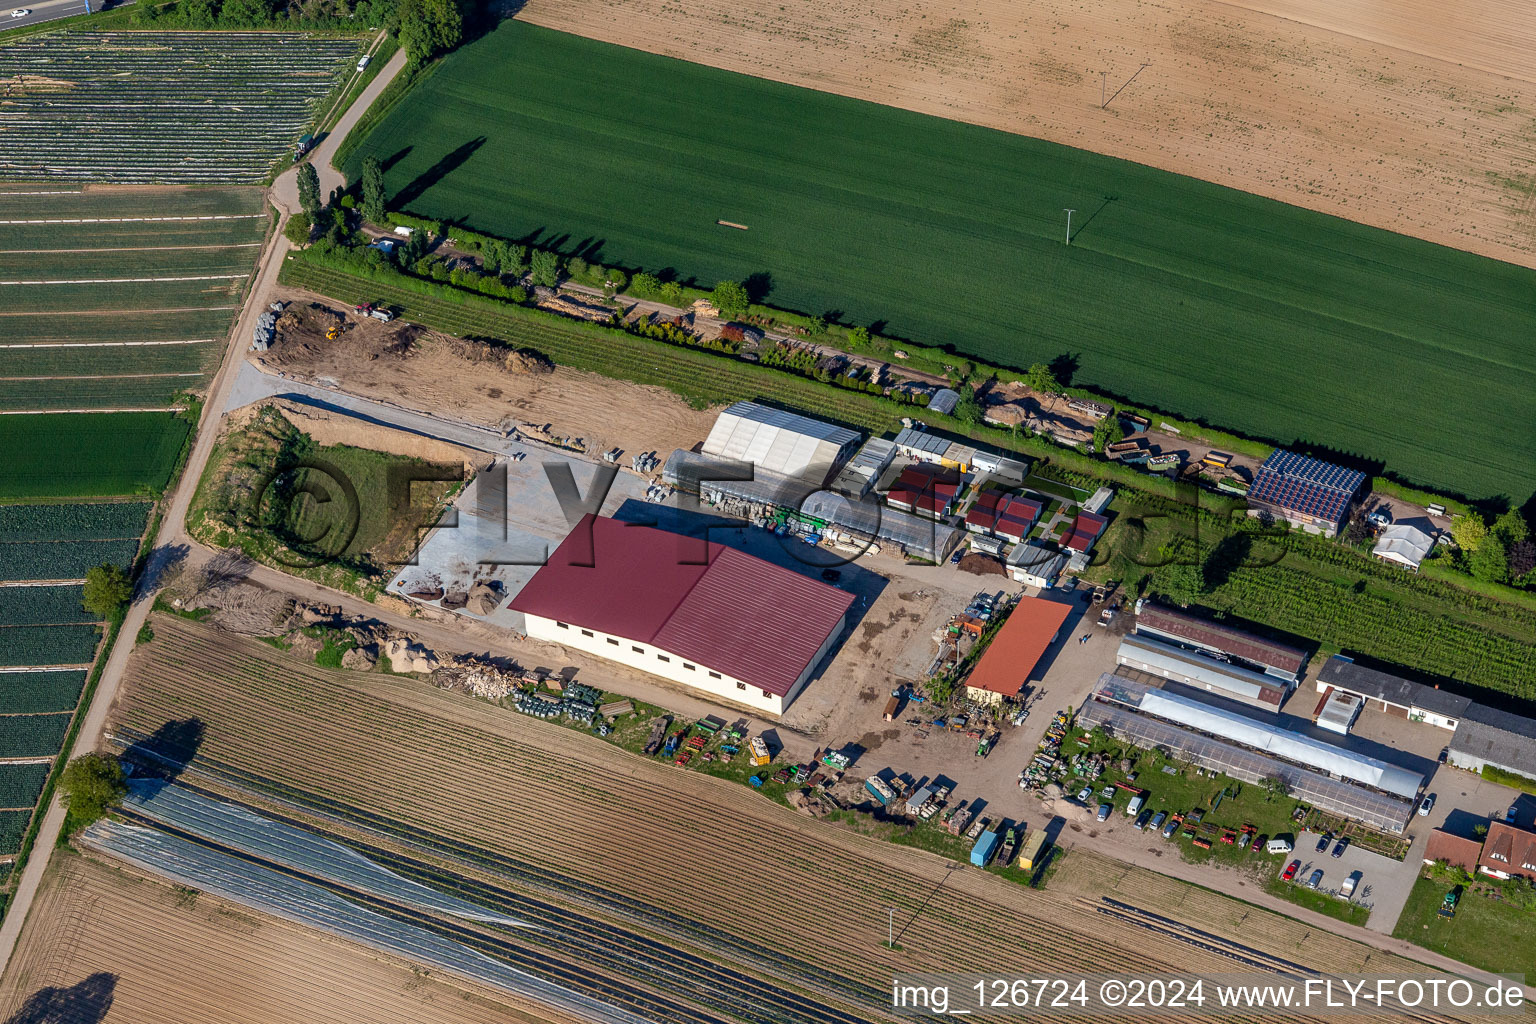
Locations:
(1134, 806)
(1278, 846)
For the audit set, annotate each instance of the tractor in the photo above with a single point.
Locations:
(1448, 904)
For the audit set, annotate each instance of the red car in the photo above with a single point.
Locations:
(1228, 837)
(1290, 871)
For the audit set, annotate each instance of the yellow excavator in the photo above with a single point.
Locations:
(332, 332)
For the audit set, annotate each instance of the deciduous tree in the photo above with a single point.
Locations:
(89, 785)
(309, 190)
(730, 298)
(107, 590)
(546, 268)
(1490, 562)
(374, 208)
(1468, 532)
(428, 27)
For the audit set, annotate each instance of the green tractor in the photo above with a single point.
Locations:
(1448, 904)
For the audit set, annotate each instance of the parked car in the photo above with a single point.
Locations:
(1157, 820)
(1323, 841)
(1289, 873)
(1510, 815)
(1104, 810)
(1141, 821)
(362, 62)
(1426, 804)
(1316, 879)
(1259, 843)
(1340, 847)
(1244, 841)
(1170, 828)
(1085, 794)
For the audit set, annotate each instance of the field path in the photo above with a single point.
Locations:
(285, 190)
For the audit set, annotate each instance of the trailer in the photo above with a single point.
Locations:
(879, 790)
(892, 708)
(759, 752)
(1032, 853)
(986, 846)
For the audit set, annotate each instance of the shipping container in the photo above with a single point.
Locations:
(1033, 853)
(879, 790)
(985, 847)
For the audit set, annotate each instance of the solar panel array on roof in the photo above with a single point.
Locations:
(1306, 485)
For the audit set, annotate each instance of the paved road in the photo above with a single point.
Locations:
(46, 10)
(285, 190)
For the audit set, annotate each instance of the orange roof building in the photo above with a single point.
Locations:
(1508, 852)
(1016, 649)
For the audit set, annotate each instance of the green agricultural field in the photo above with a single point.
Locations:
(62, 559)
(47, 645)
(111, 204)
(98, 328)
(42, 606)
(179, 260)
(192, 356)
(1203, 301)
(89, 454)
(133, 392)
(20, 784)
(30, 693)
(221, 292)
(13, 826)
(240, 230)
(32, 735)
(96, 520)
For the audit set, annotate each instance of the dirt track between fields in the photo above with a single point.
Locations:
(1421, 120)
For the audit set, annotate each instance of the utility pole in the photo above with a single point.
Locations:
(890, 932)
(1103, 76)
(1069, 225)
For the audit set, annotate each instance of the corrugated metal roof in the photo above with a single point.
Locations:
(1018, 645)
(1221, 637)
(1343, 674)
(922, 441)
(1283, 743)
(702, 601)
(1496, 744)
(777, 441)
(1148, 654)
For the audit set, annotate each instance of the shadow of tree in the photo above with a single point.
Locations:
(85, 1002)
(436, 173)
(165, 753)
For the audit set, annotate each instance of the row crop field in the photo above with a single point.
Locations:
(62, 560)
(1203, 301)
(20, 785)
(31, 693)
(89, 455)
(175, 107)
(104, 320)
(99, 520)
(36, 646)
(397, 758)
(42, 606)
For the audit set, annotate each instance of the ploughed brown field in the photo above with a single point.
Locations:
(703, 863)
(1417, 116)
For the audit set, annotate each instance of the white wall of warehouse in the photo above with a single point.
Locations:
(674, 668)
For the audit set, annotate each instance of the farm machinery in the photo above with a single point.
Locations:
(1448, 904)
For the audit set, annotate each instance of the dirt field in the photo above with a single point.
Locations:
(466, 772)
(1418, 119)
(102, 936)
(419, 369)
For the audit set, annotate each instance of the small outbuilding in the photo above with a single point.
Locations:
(1404, 545)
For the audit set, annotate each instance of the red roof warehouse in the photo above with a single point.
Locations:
(721, 611)
(1017, 647)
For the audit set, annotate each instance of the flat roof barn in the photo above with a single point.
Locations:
(1373, 807)
(779, 442)
(1304, 491)
(698, 613)
(1274, 658)
(1393, 694)
(1285, 744)
(1036, 566)
(1016, 648)
(1487, 737)
(1339, 712)
(1167, 661)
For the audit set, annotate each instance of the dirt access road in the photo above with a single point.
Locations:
(1418, 119)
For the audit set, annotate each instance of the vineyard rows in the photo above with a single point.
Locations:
(197, 357)
(62, 560)
(42, 606)
(181, 107)
(498, 792)
(46, 645)
(31, 693)
(95, 520)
